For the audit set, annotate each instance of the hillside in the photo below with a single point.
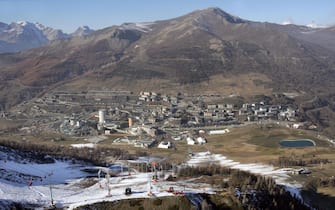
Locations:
(206, 51)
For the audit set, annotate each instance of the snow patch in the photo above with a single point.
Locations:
(315, 25)
(22, 23)
(143, 27)
(89, 145)
(280, 175)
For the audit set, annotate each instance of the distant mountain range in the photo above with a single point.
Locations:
(22, 35)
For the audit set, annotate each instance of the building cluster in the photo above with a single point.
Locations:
(262, 111)
(149, 118)
(157, 97)
(73, 125)
(155, 118)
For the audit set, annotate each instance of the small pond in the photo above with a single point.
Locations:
(297, 143)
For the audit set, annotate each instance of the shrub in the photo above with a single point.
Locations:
(157, 202)
(134, 202)
(174, 207)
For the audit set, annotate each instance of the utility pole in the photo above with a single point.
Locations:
(107, 183)
(99, 178)
(51, 198)
(50, 188)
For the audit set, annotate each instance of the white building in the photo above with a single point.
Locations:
(190, 141)
(165, 145)
(102, 116)
(176, 138)
(201, 140)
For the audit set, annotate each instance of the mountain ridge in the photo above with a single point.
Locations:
(23, 35)
(189, 50)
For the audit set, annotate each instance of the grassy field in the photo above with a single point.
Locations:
(247, 144)
(255, 144)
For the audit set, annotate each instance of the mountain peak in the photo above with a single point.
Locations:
(216, 11)
(82, 31)
(22, 23)
(23, 35)
(84, 28)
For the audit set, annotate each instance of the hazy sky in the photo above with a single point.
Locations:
(70, 14)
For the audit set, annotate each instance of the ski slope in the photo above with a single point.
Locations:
(65, 183)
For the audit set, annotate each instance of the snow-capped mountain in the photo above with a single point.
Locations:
(19, 36)
(315, 25)
(82, 31)
(52, 34)
(23, 35)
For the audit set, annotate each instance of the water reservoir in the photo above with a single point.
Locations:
(297, 143)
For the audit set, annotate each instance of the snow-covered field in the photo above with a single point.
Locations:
(281, 175)
(89, 145)
(65, 181)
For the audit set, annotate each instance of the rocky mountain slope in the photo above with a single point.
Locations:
(82, 31)
(204, 51)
